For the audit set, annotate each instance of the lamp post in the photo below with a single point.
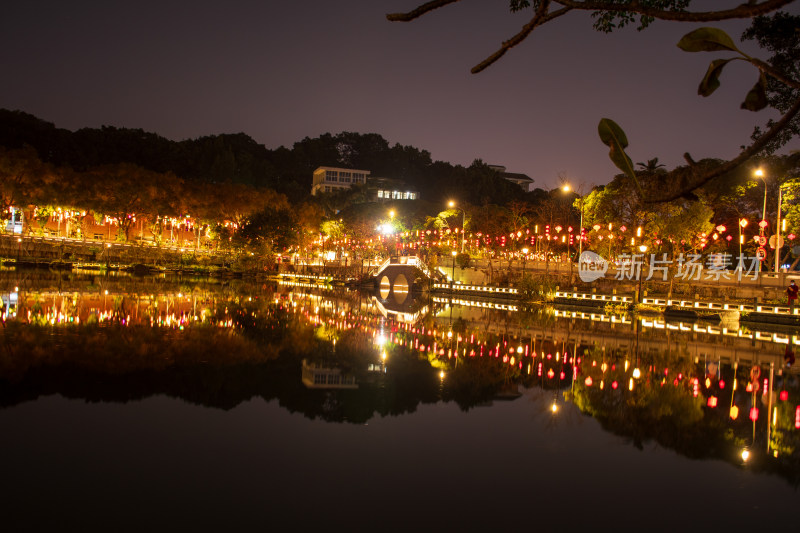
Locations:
(643, 249)
(778, 233)
(524, 260)
(451, 204)
(760, 175)
(566, 188)
(454, 253)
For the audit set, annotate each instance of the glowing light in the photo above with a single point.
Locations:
(745, 455)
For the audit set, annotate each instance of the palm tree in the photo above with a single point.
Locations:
(651, 167)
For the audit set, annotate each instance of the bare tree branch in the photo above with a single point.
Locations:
(742, 11)
(541, 17)
(746, 154)
(418, 12)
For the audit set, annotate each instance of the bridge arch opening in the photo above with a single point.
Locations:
(400, 288)
(385, 287)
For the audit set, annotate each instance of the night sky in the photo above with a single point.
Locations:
(281, 71)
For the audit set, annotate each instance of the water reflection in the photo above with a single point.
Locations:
(703, 390)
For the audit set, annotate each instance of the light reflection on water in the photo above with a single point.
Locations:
(310, 387)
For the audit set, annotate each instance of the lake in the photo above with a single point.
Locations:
(131, 404)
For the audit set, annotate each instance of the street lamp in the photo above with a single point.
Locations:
(760, 175)
(524, 260)
(452, 205)
(643, 249)
(778, 232)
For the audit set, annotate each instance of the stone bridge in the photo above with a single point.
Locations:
(396, 277)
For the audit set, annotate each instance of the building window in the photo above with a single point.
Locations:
(344, 177)
(358, 177)
(331, 175)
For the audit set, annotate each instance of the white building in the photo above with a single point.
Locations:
(329, 179)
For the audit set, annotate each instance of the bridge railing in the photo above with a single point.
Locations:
(408, 260)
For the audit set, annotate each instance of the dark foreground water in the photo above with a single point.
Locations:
(108, 427)
(161, 464)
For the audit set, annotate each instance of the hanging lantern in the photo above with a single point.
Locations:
(734, 412)
(754, 413)
(614, 385)
(588, 381)
(784, 395)
(712, 401)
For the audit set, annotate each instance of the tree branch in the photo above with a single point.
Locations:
(742, 11)
(541, 17)
(746, 154)
(769, 70)
(418, 12)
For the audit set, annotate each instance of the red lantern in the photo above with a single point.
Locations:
(784, 395)
(614, 385)
(712, 401)
(588, 381)
(550, 373)
(754, 413)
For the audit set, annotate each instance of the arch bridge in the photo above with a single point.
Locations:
(396, 277)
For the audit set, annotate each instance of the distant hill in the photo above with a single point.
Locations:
(238, 158)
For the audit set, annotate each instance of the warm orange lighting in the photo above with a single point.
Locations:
(734, 412)
(712, 401)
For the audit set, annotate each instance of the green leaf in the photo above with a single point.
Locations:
(613, 137)
(756, 99)
(707, 40)
(710, 81)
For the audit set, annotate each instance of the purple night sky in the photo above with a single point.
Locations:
(281, 71)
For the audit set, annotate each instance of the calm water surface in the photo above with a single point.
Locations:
(175, 406)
